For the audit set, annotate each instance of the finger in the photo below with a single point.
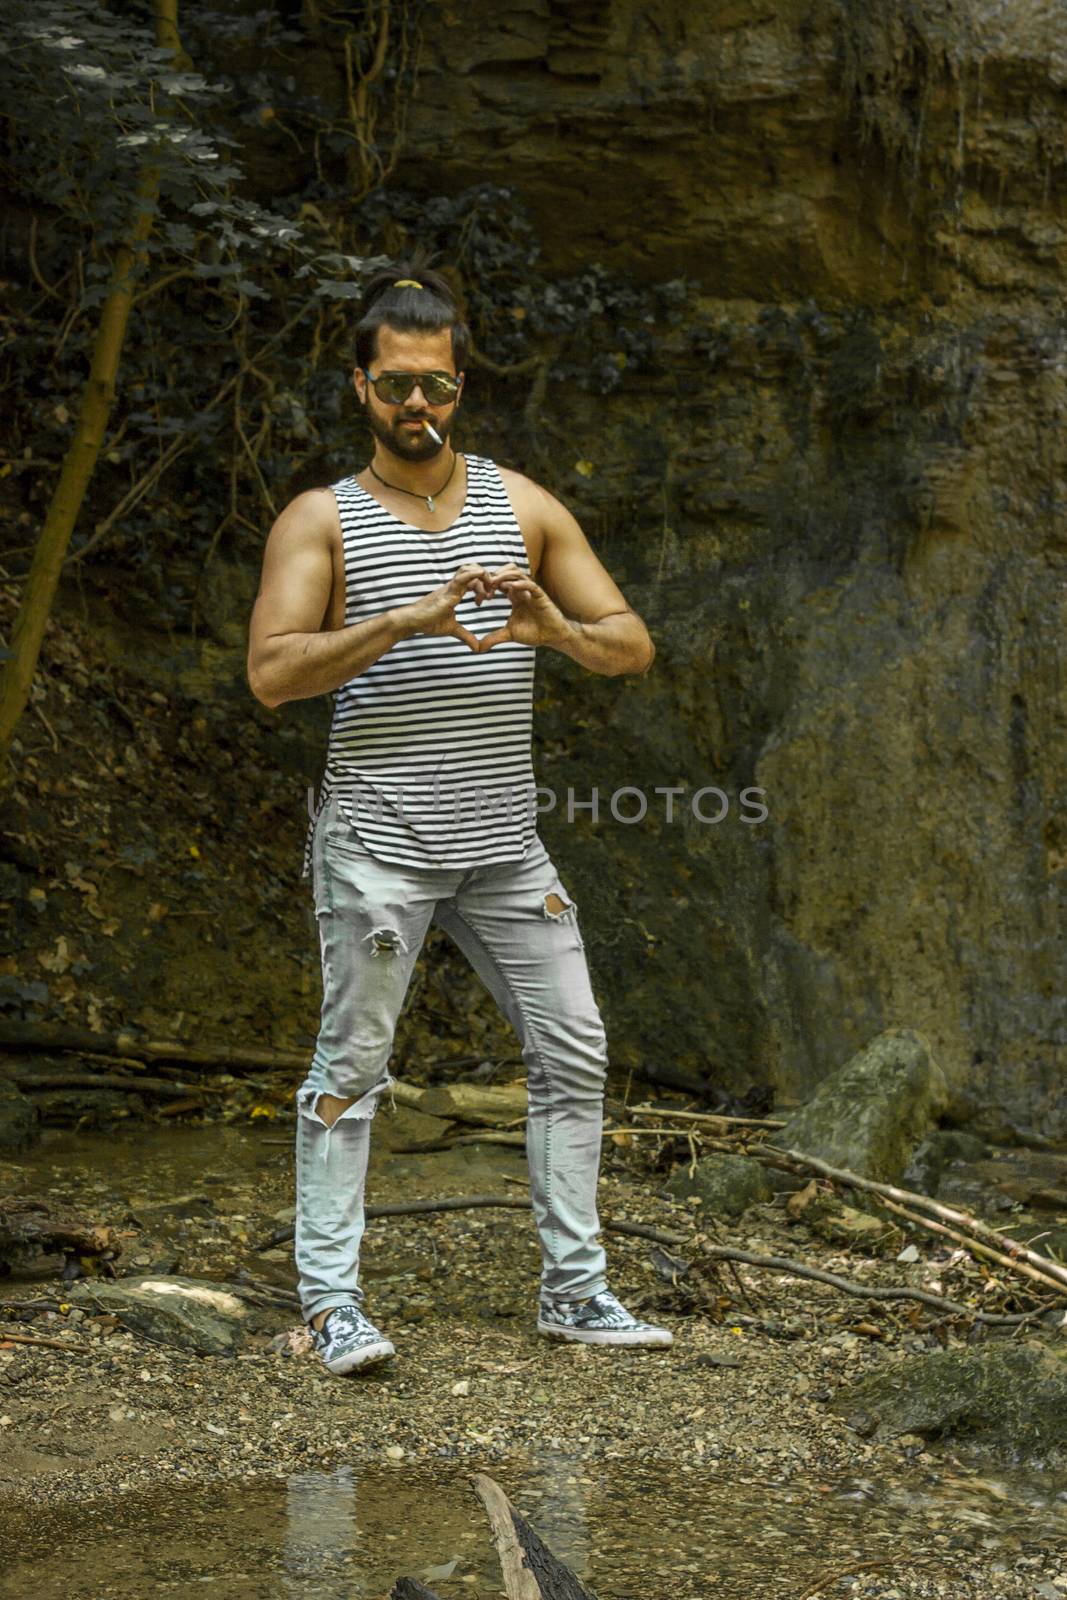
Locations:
(505, 574)
(470, 639)
(470, 572)
(522, 591)
(498, 636)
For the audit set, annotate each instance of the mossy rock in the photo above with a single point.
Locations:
(1009, 1398)
(20, 1122)
(726, 1184)
(186, 1313)
(869, 1115)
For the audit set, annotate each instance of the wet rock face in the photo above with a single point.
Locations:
(775, 153)
(835, 506)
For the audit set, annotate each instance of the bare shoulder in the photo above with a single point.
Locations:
(309, 518)
(533, 501)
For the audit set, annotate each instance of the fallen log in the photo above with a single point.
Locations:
(486, 1105)
(517, 1140)
(7, 1337)
(712, 1118)
(529, 1569)
(165, 1088)
(133, 1049)
(15, 1035)
(27, 1224)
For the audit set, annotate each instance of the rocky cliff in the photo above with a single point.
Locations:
(842, 514)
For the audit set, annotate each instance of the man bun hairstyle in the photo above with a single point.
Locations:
(411, 298)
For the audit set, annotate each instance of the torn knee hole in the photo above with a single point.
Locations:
(555, 906)
(385, 941)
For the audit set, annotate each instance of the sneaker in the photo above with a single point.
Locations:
(600, 1320)
(349, 1339)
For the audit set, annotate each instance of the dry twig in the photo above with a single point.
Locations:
(34, 1338)
(713, 1252)
(1016, 1251)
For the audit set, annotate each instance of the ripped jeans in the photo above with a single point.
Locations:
(373, 916)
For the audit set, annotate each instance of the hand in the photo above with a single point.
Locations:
(534, 619)
(435, 613)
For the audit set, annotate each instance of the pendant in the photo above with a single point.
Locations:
(429, 502)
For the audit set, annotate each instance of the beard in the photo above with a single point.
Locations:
(405, 442)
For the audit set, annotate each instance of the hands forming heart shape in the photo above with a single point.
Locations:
(535, 620)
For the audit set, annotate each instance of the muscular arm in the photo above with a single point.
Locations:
(290, 657)
(605, 635)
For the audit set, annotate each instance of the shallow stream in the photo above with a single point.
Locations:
(352, 1532)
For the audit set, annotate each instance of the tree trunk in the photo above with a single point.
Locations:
(167, 35)
(16, 678)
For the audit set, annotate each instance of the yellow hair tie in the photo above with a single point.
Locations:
(406, 283)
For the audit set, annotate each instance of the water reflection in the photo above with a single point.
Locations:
(553, 1495)
(322, 1542)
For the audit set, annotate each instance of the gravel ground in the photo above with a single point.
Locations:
(741, 1400)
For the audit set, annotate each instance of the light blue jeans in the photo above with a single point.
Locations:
(373, 916)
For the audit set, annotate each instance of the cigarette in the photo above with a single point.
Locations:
(434, 435)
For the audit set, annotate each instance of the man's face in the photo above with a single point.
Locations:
(398, 426)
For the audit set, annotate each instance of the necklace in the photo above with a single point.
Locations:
(429, 498)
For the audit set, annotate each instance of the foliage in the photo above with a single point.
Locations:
(235, 384)
(593, 325)
(97, 101)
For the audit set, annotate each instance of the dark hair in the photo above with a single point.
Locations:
(430, 308)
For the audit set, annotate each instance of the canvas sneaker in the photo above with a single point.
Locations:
(600, 1320)
(348, 1338)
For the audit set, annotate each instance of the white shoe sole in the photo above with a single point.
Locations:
(363, 1357)
(637, 1336)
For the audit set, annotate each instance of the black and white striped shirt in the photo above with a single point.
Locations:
(429, 744)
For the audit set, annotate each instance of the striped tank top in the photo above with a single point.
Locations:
(429, 748)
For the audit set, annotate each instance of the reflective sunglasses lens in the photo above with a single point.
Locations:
(394, 388)
(438, 387)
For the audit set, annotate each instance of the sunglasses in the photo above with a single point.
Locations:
(394, 387)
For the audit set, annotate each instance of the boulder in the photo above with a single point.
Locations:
(1011, 1398)
(20, 1122)
(726, 1184)
(870, 1114)
(188, 1313)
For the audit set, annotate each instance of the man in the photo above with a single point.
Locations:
(374, 588)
